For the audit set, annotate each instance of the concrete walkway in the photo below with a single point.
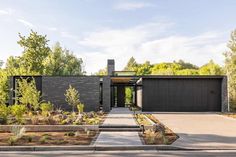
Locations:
(201, 130)
(119, 117)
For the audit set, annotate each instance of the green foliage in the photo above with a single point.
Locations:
(144, 69)
(210, 69)
(3, 87)
(175, 68)
(230, 69)
(12, 140)
(46, 108)
(131, 65)
(187, 72)
(18, 111)
(166, 68)
(128, 95)
(4, 112)
(62, 62)
(18, 131)
(35, 51)
(102, 72)
(72, 97)
(80, 108)
(27, 93)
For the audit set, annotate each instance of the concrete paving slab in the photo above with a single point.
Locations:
(120, 116)
(118, 138)
(201, 130)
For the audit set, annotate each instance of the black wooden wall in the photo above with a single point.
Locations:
(181, 94)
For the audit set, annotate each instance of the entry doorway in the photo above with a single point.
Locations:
(123, 96)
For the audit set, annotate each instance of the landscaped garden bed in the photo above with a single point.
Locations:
(47, 138)
(231, 115)
(154, 131)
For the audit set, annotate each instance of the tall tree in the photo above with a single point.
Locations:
(230, 69)
(35, 51)
(131, 65)
(210, 68)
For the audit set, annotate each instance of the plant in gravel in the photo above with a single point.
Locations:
(18, 111)
(29, 138)
(80, 108)
(43, 140)
(72, 97)
(4, 111)
(46, 108)
(77, 133)
(69, 134)
(18, 131)
(35, 120)
(150, 136)
(12, 140)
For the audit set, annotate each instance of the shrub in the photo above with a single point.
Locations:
(18, 111)
(12, 141)
(69, 134)
(46, 108)
(18, 131)
(80, 108)
(27, 93)
(72, 97)
(4, 111)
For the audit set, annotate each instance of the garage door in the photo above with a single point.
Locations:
(182, 94)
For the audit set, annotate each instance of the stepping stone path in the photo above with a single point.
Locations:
(119, 128)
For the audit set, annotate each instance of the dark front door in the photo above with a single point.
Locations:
(120, 96)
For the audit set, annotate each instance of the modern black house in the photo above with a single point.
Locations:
(150, 92)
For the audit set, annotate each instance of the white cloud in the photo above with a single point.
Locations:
(149, 42)
(6, 11)
(131, 5)
(26, 23)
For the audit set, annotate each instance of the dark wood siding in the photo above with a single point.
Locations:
(182, 94)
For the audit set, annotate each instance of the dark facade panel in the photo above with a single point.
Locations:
(181, 94)
(54, 88)
(106, 94)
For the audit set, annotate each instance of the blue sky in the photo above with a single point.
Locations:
(156, 30)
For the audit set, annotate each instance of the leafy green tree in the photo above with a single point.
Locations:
(186, 65)
(187, 72)
(144, 69)
(35, 51)
(62, 62)
(166, 68)
(3, 87)
(102, 72)
(131, 65)
(230, 69)
(210, 69)
(73, 64)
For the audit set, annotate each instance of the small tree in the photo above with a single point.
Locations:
(72, 97)
(27, 94)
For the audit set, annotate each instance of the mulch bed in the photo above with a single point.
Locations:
(168, 136)
(52, 138)
(232, 115)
